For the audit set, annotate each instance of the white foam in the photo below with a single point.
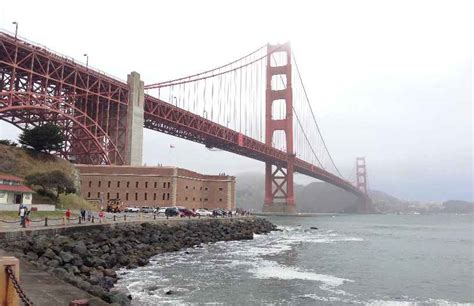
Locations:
(268, 270)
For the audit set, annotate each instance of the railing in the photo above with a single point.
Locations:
(60, 55)
(94, 219)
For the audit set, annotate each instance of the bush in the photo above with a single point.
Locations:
(54, 180)
(8, 142)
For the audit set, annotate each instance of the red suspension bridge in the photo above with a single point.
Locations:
(256, 106)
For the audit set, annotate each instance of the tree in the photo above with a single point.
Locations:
(56, 180)
(43, 138)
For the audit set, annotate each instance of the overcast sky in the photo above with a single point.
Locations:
(388, 80)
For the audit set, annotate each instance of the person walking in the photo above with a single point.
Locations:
(89, 216)
(22, 213)
(68, 215)
(83, 214)
(101, 216)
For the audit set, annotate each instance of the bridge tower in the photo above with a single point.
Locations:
(361, 181)
(279, 195)
(361, 174)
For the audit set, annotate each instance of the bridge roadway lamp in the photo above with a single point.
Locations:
(16, 28)
(87, 60)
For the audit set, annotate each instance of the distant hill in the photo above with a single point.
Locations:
(461, 207)
(316, 197)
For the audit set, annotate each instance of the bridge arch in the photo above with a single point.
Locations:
(91, 143)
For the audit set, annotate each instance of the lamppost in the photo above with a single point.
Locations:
(87, 60)
(16, 28)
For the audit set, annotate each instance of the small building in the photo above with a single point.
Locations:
(13, 191)
(156, 187)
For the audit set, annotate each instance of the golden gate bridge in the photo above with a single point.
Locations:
(256, 106)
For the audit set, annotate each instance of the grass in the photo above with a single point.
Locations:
(74, 202)
(13, 215)
(22, 162)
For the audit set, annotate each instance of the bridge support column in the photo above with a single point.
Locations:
(361, 177)
(279, 195)
(135, 119)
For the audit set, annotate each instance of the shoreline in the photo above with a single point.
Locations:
(88, 257)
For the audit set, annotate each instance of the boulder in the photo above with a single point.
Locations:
(66, 257)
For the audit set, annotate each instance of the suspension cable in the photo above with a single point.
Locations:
(314, 117)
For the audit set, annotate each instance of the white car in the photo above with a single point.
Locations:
(132, 209)
(203, 212)
(161, 211)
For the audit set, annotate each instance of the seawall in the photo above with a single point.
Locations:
(89, 256)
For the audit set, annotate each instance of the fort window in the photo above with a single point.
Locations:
(205, 188)
(128, 184)
(146, 184)
(154, 196)
(118, 184)
(169, 184)
(164, 185)
(187, 187)
(205, 199)
(164, 196)
(220, 188)
(146, 196)
(167, 196)
(194, 199)
(200, 199)
(156, 184)
(200, 188)
(126, 196)
(108, 185)
(100, 183)
(194, 187)
(90, 183)
(186, 198)
(108, 195)
(136, 196)
(220, 200)
(98, 195)
(136, 184)
(88, 194)
(118, 196)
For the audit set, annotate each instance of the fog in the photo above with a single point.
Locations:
(388, 80)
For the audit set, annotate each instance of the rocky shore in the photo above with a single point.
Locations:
(89, 259)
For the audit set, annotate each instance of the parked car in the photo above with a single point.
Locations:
(132, 209)
(203, 212)
(161, 211)
(219, 212)
(172, 211)
(146, 209)
(184, 212)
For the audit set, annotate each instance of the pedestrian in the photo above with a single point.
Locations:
(83, 214)
(101, 216)
(89, 215)
(27, 217)
(22, 213)
(68, 215)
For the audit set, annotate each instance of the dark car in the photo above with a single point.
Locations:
(219, 212)
(184, 212)
(172, 211)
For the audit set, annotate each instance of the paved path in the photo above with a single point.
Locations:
(45, 289)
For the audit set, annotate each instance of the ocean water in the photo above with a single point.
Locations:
(350, 259)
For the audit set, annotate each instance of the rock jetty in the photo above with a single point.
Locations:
(89, 259)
